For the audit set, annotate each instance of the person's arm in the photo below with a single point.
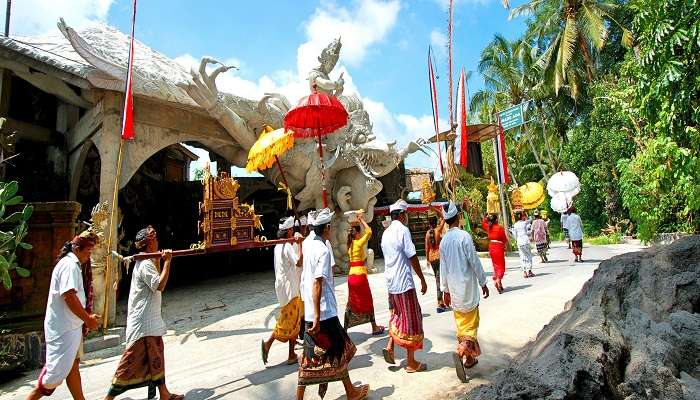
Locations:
(410, 250)
(318, 271)
(444, 287)
(73, 303)
(415, 264)
(427, 246)
(165, 272)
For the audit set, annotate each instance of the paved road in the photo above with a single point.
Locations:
(212, 346)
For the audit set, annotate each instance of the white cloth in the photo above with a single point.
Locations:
(575, 227)
(144, 309)
(564, 217)
(521, 231)
(461, 273)
(288, 223)
(61, 353)
(525, 257)
(317, 264)
(286, 279)
(66, 276)
(398, 248)
(400, 205)
(451, 211)
(312, 235)
(322, 217)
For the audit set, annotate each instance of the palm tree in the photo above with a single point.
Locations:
(568, 25)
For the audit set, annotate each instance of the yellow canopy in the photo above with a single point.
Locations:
(270, 145)
(532, 195)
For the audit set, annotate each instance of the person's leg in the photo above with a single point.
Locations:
(411, 362)
(300, 392)
(74, 383)
(35, 394)
(523, 260)
(163, 392)
(354, 392)
(436, 272)
(268, 343)
(292, 356)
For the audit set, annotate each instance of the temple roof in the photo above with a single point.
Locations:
(155, 75)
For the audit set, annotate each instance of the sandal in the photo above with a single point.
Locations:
(364, 391)
(176, 397)
(459, 368)
(388, 356)
(530, 274)
(421, 367)
(472, 364)
(263, 353)
(378, 331)
(292, 361)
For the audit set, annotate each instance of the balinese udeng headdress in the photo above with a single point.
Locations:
(86, 238)
(144, 236)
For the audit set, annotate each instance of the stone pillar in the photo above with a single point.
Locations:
(107, 142)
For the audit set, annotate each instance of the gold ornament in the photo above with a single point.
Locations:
(493, 205)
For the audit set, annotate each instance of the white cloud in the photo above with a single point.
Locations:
(438, 41)
(359, 29)
(36, 17)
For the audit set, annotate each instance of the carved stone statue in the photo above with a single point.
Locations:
(354, 161)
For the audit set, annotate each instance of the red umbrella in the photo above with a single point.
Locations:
(317, 115)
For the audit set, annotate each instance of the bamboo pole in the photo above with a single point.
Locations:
(110, 237)
(215, 249)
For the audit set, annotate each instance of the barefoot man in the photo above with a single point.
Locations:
(406, 321)
(461, 276)
(327, 346)
(287, 290)
(143, 361)
(65, 316)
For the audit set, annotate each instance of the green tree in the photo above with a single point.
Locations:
(11, 240)
(573, 31)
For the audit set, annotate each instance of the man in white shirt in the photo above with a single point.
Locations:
(143, 361)
(564, 217)
(327, 346)
(406, 321)
(521, 231)
(287, 290)
(461, 276)
(575, 227)
(65, 316)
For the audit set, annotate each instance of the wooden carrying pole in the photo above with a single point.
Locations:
(215, 249)
(110, 237)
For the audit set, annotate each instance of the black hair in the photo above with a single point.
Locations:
(319, 229)
(452, 220)
(351, 234)
(396, 214)
(432, 221)
(493, 219)
(67, 248)
(281, 234)
(572, 209)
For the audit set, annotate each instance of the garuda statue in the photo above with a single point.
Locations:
(355, 159)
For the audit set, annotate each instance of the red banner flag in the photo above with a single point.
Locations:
(434, 104)
(464, 123)
(128, 115)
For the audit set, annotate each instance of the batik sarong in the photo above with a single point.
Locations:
(498, 258)
(360, 308)
(326, 354)
(542, 248)
(406, 321)
(141, 365)
(467, 327)
(577, 247)
(287, 327)
(525, 257)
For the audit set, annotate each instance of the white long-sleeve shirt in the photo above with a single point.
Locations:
(461, 273)
(521, 231)
(575, 227)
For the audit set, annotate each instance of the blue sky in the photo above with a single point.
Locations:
(384, 45)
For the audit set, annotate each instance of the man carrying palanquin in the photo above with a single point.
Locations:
(143, 361)
(287, 290)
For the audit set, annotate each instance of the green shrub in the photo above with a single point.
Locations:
(11, 240)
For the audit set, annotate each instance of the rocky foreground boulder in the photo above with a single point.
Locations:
(633, 332)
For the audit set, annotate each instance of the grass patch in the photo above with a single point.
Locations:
(602, 240)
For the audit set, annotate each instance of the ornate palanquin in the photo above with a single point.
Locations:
(223, 221)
